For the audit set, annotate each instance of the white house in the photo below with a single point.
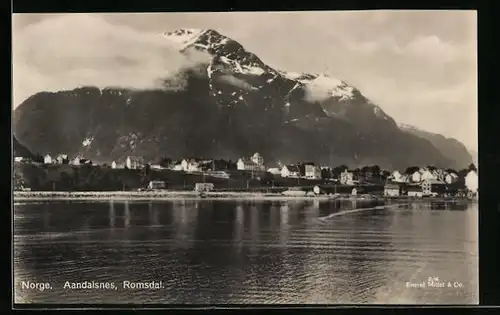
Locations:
(133, 162)
(312, 172)
(472, 181)
(75, 161)
(47, 159)
(414, 191)
(18, 159)
(61, 158)
(255, 163)
(274, 171)
(257, 159)
(450, 178)
(290, 171)
(178, 167)
(249, 165)
(391, 189)
(396, 176)
(113, 165)
(416, 177)
(347, 178)
(427, 175)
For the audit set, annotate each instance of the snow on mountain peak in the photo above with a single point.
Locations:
(330, 86)
(184, 36)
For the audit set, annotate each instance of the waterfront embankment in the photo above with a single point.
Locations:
(173, 195)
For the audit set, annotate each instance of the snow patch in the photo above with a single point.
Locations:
(184, 36)
(322, 87)
(254, 70)
(292, 75)
(87, 141)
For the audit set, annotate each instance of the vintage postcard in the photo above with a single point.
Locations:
(245, 158)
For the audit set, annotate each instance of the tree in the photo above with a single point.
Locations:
(450, 170)
(339, 169)
(376, 170)
(472, 167)
(412, 169)
(326, 173)
(165, 162)
(385, 174)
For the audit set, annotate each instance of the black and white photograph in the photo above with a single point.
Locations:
(243, 158)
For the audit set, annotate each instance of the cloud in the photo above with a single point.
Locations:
(71, 50)
(237, 82)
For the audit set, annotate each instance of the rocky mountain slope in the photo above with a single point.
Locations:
(232, 106)
(20, 150)
(450, 147)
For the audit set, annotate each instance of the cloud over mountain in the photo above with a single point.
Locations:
(92, 51)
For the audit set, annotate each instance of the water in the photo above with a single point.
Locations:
(239, 252)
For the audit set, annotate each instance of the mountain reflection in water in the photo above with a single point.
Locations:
(239, 252)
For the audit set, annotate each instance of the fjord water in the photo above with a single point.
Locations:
(239, 252)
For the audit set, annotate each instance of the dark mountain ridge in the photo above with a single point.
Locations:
(230, 107)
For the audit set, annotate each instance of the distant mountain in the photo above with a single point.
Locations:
(475, 156)
(450, 147)
(20, 150)
(231, 106)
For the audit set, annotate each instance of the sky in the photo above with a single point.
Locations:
(419, 66)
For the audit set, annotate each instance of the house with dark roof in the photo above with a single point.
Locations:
(392, 189)
(291, 171)
(433, 186)
(414, 190)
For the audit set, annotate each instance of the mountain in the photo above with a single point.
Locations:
(230, 106)
(450, 147)
(20, 150)
(475, 157)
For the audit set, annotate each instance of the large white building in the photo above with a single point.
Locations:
(255, 163)
(312, 172)
(347, 178)
(47, 159)
(472, 181)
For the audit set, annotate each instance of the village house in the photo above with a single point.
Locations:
(47, 159)
(62, 159)
(426, 174)
(347, 178)
(312, 171)
(254, 163)
(257, 159)
(18, 159)
(392, 189)
(85, 162)
(396, 176)
(248, 165)
(433, 186)
(113, 165)
(290, 171)
(414, 191)
(156, 167)
(472, 181)
(75, 160)
(133, 162)
(202, 187)
(177, 166)
(274, 171)
(195, 165)
(450, 178)
(156, 184)
(416, 177)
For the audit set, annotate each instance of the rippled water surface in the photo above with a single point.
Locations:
(238, 252)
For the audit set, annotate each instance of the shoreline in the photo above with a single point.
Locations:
(183, 195)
